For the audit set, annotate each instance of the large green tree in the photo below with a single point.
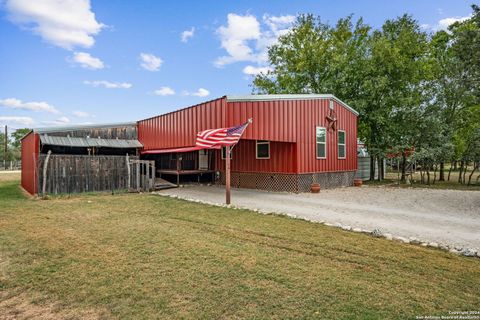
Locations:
(380, 73)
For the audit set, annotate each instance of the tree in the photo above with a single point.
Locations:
(17, 135)
(394, 91)
(453, 54)
(316, 58)
(467, 142)
(466, 48)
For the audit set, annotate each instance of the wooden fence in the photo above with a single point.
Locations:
(60, 174)
(10, 165)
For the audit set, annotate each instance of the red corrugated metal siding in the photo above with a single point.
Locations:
(272, 120)
(312, 113)
(30, 147)
(282, 158)
(179, 128)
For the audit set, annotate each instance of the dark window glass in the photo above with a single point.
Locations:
(321, 140)
(263, 149)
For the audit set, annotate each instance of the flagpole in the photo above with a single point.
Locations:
(227, 174)
(227, 168)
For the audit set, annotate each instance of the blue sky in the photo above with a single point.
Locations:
(78, 61)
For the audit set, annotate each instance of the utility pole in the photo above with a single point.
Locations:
(6, 148)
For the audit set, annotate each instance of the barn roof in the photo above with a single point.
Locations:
(89, 142)
(79, 127)
(83, 127)
(273, 97)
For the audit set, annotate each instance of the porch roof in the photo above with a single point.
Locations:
(174, 150)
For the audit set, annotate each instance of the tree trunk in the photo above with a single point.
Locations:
(435, 174)
(422, 177)
(465, 172)
(380, 168)
(455, 165)
(442, 172)
(475, 166)
(428, 175)
(372, 168)
(460, 172)
(450, 171)
(404, 163)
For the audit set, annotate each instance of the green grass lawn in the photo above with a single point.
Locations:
(144, 256)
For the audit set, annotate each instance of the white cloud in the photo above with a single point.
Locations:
(14, 103)
(58, 122)
(150, 62)
(253, 71)
(24, 121)
(62, 120)
(246, 39)
(443, 24)
(279, 24)
(87, 61)
(82, 114)
(164, 91)
(108, 84)
(235, 37)
(187, 34)
(201, 92)
(64, 23)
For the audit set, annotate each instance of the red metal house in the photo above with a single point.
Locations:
(294, 141)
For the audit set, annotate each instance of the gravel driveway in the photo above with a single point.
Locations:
(450, 217)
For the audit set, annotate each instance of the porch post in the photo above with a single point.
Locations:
(227, 174)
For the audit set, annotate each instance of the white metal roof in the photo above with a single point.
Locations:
(89, 142)
(82, 127)
(273, 97)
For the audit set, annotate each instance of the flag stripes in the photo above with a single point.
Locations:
(217, 138)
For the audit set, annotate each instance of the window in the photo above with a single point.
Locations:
(263, 149)
(224, 153)
(321, 140)
(341, 144)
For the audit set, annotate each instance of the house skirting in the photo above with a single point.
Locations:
(289, 182)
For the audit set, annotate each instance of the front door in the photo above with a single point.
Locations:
(203, 159)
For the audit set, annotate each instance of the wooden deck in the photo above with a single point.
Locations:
(179, 173)
(184, 172)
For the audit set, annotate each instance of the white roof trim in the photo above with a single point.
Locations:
(83, 127)
(273, 97)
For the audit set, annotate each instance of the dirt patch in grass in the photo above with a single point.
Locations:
(144, 256)
(22, 306)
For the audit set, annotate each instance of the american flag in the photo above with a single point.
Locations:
(216, 138)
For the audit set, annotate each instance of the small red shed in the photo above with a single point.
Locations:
(295, 140)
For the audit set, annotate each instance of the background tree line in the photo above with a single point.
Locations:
(413, 89)
(13, 145)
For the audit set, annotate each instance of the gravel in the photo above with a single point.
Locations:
(443, 218)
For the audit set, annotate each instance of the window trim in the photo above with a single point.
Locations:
(317, 143)
(257, 142)
(225, 157)
(344, 144)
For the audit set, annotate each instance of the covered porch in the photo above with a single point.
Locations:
(184, 165)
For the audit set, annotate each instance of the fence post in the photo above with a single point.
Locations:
(153, 174)
(45, 164)
(138, 175)
(128, 171)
